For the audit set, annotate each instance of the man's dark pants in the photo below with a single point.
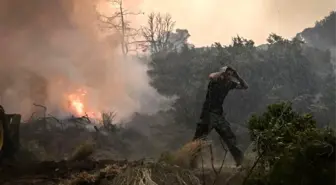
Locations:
(222, 127)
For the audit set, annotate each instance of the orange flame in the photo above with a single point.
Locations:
(77, 104)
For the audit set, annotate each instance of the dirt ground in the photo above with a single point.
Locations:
(47, 158)
(50, 172)
(105, 172)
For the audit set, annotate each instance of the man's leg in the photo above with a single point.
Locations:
(223, 128)
(202, 130)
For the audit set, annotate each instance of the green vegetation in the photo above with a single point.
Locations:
(294, 142)
(280, 70)
(291, 149)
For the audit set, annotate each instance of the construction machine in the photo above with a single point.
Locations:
(9, 134)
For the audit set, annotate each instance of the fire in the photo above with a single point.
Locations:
(76, 104)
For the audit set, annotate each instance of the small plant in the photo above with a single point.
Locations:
(108, 121)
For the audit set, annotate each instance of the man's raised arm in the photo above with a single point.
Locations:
(242, 83)
(215, 75)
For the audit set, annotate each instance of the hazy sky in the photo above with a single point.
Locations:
(209, 21)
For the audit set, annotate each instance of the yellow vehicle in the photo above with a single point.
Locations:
(9, 134)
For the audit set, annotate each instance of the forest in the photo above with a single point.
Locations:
(299, 70)
(294, 77)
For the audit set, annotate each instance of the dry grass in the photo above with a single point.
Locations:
(162, 173)
(112, 169)
(156, 174)
(146, 174)
(83, 151)
(172, 168)
(102, 176)
(134, 176)
(81, 178)
(186, 156)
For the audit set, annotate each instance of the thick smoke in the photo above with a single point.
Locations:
(52, 48)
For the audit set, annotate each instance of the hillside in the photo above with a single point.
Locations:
(322, 35)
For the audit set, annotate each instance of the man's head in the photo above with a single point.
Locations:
(226, 71)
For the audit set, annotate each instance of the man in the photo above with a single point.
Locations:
(212, 112)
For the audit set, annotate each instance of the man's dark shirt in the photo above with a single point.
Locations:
(217, 91)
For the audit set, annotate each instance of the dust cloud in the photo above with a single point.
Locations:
(52, 49)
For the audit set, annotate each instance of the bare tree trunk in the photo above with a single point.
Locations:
(38, 93)
(123, 44)
(118, 21)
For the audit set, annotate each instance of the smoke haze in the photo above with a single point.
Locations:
(50, 49)
(252, 19)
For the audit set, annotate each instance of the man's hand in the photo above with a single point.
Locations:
(242, 84)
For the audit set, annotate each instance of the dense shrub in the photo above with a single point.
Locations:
(291, 149)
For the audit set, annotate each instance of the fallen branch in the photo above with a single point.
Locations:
(43, 107)
(212, 160)
(223, 161)
(44, 113)
(32, 116)
(87, 118)
(251, 169)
